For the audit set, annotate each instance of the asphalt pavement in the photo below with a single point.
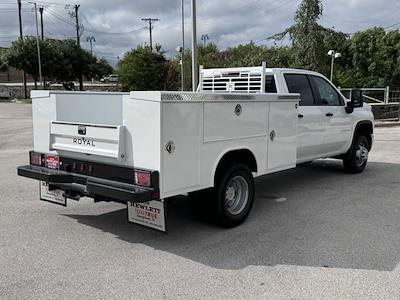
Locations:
(314, 233)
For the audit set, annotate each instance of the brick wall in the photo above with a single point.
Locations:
(13, 75)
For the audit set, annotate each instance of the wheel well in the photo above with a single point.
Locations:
(237, 156)
(367, 129)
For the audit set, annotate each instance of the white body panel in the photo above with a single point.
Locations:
(134, 129)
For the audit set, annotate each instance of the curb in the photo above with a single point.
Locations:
(387, 125)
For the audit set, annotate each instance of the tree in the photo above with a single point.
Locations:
(309, 39)
(369, 57)
(23, 56)
(71, 61)
(391, 44)
(307, 36)
(142, 69)
(62, 60)
(101, 68)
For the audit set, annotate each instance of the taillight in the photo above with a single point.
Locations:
(36, 159)
(143, 178)
(52, 161)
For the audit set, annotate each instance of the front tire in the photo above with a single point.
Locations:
(356, 162)
(234, 195)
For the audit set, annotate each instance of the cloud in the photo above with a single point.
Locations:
(227, 22)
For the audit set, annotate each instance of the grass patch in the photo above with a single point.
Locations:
(24, 101)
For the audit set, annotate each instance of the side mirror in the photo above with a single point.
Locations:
(356, 101)
(357, 98)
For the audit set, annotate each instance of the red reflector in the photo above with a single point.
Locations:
(36, 159)
(52, 161)
(142, 178)
(82, 168)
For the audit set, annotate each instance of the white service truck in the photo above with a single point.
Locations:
(142, 148)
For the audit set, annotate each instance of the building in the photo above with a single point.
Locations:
(12, 75)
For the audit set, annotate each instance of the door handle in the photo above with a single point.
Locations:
(300, 116)
(329, 115)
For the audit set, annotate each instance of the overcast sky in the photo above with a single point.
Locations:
(117, 26)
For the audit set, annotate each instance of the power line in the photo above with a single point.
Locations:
(107, 32)
(115, 33)
(58, 17)
(41, 3)
(390, 26)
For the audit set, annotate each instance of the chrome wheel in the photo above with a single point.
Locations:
(361, 154)
(236, 195)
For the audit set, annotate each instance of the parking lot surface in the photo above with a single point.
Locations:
(314, 233)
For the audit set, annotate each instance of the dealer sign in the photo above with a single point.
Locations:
(150, 214)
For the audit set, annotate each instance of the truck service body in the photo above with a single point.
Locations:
(141, 148)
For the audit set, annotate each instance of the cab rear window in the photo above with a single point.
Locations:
(270, 86)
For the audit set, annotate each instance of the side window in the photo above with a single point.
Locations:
(324, 92)
(270, 86)
(299, 83)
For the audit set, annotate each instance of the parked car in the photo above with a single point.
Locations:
(143, 148)
(110, 78)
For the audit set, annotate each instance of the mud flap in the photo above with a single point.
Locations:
(150, 214)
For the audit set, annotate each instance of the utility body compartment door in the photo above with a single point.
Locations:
(282, 137)
(101, 140)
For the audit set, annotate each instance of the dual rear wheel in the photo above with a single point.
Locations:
(230, 202)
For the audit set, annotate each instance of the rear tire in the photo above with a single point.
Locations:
(357, 160)
(234, 195)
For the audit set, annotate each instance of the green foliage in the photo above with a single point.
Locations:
(376, 57)
(23, 55)
(242, 55)
(102, 68)
(307, 36)
(142, 69)
(60, 60)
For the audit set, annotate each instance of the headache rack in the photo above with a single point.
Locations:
(233, 80)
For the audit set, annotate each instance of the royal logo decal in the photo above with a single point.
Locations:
(83, 142)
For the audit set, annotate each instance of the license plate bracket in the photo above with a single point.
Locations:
(52, 196)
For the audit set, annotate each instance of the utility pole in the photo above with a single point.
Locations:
(91, 40)
(78, 41)
(41, 21)
(38, 45)
(194, 47)
(150, 21)
(21, 37)
(183, 46)
(78, 37)
(205, 38)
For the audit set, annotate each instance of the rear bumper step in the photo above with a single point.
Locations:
(89, 186)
